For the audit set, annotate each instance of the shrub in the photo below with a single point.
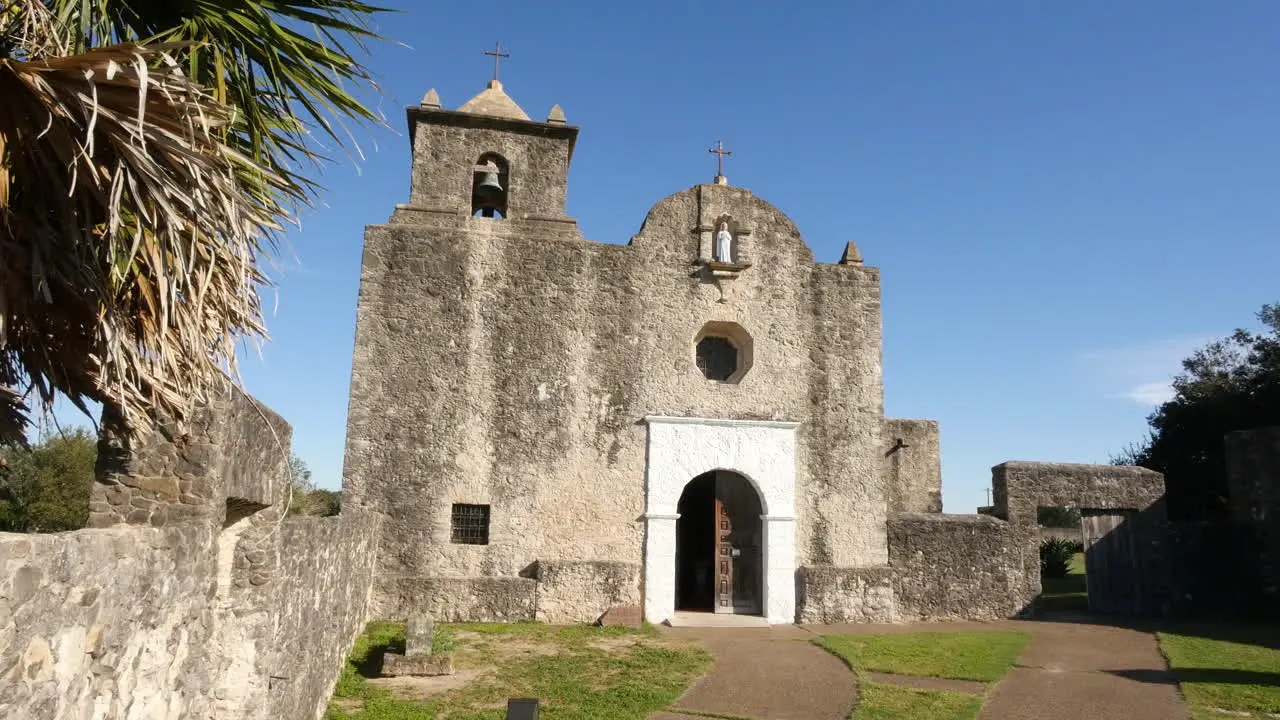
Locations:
(1055, 556)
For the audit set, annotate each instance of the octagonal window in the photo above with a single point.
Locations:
(722, 352)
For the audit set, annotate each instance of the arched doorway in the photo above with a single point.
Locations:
(719, 545)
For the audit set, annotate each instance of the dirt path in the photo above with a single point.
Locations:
(1068, 670)
(767, 673)
(1073, 670)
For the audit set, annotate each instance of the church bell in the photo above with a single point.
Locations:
(489, 185)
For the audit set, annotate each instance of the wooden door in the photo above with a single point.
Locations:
(1111, 567)
(724, 557)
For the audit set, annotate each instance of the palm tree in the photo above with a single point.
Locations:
(151, 152)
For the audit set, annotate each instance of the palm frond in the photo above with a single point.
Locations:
(131, 248)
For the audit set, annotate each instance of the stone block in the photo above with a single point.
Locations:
(417, 665)
(845, 595)
(625, 616)
(962, 566)
(493, 599)
(418, 635)
(580, 591)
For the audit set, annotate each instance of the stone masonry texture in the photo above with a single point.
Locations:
(1019, 488)
(913, 465)
(962, 566)
(509, 363)
(191, 597)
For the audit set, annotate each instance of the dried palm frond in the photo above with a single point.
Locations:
(287, 66)
(130, 246)
(142, 185)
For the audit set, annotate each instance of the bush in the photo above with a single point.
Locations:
(1055, 556)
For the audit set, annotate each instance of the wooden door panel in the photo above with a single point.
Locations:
(724, 557)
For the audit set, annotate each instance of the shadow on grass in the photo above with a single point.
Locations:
(370, 666)
(1201, 675)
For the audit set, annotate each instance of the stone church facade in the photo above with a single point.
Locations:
(551, 427)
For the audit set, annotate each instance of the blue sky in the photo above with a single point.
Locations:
(1064, 198)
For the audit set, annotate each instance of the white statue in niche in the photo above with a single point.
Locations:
(724, 244)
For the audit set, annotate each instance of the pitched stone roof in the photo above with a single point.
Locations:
(494, 102)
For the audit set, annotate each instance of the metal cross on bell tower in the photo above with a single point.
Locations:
(497, 57)
(720, 152)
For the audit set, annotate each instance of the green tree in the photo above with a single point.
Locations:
(1230, 384)
(1058, 517)
(304, 497)
(46, 487)
(150, 153)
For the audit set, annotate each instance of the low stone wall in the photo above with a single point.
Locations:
(581, 591)
(107, 620)
(1019, 488)
(962, 566)
(912, 465)
(199, 603)
(826, 594)
(479, 599)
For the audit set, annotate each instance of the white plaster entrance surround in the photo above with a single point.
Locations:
(764, 452)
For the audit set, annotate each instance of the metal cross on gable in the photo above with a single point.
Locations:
(497, 57)
(720, 152)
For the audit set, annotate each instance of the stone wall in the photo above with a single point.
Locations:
(201, 602)
(561, 592)
(446, 599)
(962, 566)
(574, 592)
(1253, 474)
(509, 363)
(1019, 488)
(827, 594)
(913, 465)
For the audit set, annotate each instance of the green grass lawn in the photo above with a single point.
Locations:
(579, 673)
(1221, 674)
(1066, 593)
(982, 656)
(978, 656)
(879, 701)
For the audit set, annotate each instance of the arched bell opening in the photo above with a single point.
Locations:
(490, 186)
(719, 545)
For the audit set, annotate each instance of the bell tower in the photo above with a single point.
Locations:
(488, 159)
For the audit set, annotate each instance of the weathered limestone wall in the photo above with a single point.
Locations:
(466, 599)
(223, 611)
(913, 465)
(842, 506)
(509, 363)
(845, 595)
(962, 566)
(572, 592)
(106, 623)
(537, 154)
(1019, 488)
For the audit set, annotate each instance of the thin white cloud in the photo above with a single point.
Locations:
(1150, 394)
(1142, 373)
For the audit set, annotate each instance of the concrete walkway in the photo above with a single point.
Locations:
(772, 673)
(1075, 670)
(1068, 670)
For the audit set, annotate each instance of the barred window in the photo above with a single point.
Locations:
(470, 524)
(717, 358)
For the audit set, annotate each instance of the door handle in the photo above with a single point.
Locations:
(734, 552)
